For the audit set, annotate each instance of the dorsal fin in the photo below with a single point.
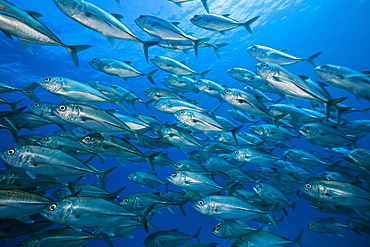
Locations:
(118, 16)
(175, 23)
(128, 62)
(226, 15)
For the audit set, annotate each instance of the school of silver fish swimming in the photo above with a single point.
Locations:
(42, 187)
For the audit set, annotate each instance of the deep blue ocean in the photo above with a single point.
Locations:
(337, 28)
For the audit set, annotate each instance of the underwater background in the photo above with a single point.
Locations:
(337, 28)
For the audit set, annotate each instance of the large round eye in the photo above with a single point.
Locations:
(264, 65)
(11, 151)
(218, 228)
(358, 152)
(227, 91)
(52, 206)
(47, 79)
(36, 105)
(324, 67)
(311, 224)
(87, 138)
(308, 127)
(237, 152)
(201, 202)
(62, 107)
(126, 200)
(308, 186)
(45, 138)
(95, 60)
(59, 191)
(156, 57)
(253, 47)
(252, 78)
(174, 175)
(178, 163)
(141, 16)
(182, 112)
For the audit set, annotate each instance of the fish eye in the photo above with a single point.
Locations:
(62, 108)
(156, 57)
(52, 206)
(308, 186)
(148, 240)
(253, 47)
(126, 200)
(358, 152)
(11, 151)
(87, 138)
(141, 16)
(218, 228)
(36, 105)
(311, 224)
(201, 202)
(59, 190)
(174, 175)
(237, 152)
(324, 66)
(251, 78)
(178, 163)
(45, 138)
(182, 112)
(227, 91)
(264, 65)
(47, 79)
(95, 59)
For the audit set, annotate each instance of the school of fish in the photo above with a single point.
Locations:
(233, 172)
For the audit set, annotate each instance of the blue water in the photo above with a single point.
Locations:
(338, 28)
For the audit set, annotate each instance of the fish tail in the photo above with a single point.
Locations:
(197, 43)
(142, 219)
(150, 157)
(139, 134)
(331, 103)
(247, 24)
(115, 195)
(297, 241)
(233, 133)
(146, 45)
(149, 76)
(74, 49)
(28, 91)
(205, 5)
(196, 235)
(103, 236)
(216, 47)
(101, 175)
(310, 59)
(203, 73)
(14, 104)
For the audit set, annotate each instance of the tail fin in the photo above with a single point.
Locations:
(146, 45)
(101, 175)
(297, 241)
(247, 24)
(28, 91)
(14, 104)
(149, 76)
(72, 50)
(115, 195)
(203, 73)
(150, 157)
(205, 4)
(196, 44)
(216, 47)
(196, 235)
(310, 59)
(233, 133)
(332, 102)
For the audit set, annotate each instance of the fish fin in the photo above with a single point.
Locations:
(203, 73)
(226, 15)
(8, 35)
(216, 47)
(205, 5)
(196, 235)
(74, 49)
(111, 41)
(31, 174)
(149, 76)
(26, 45)
(25, 219)
(249, 22)
(117, 16)
(34, 14)
(28, 91)
(222, 32)
(347, 76)
(310, 59)
(175, 23)
(196, 44)
(146, 45)
(101, 175)
(178, 4)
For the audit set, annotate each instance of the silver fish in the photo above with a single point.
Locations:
(119, 68)
(270, 55)
(220, 23)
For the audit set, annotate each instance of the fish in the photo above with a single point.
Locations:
(163, 29)
(170, 238)
(232, 229)
(263, 237)
(279, 57)
(50, 162)
(119, 68)
(327, 226)
(210, 88)
(20, 205)
(175, 67)
(337, 193)
(345, 78)
(359, 156)
(26, 90)
(146, 179)
(193, 182)
(97, 19)
(220, 23)
(29, 30)
(63, 236)
(291, 85)
(255, 156)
